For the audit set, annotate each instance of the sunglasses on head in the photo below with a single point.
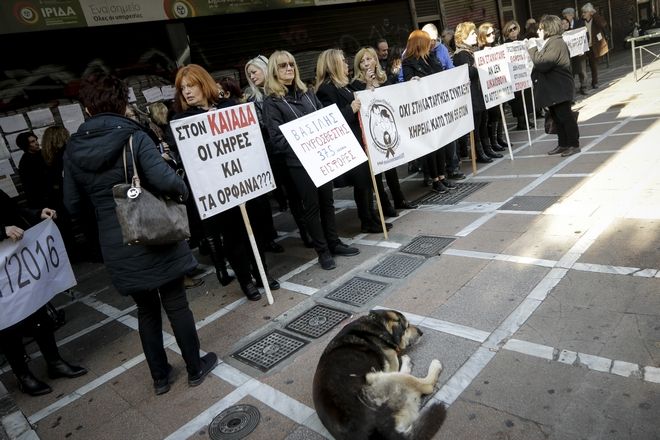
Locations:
(291, 64)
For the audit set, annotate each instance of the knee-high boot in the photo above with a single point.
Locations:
(481, 155)
(219, 261)
(499, 133)
(492, 136)
(485, 144)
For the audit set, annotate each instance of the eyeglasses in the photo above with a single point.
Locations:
(490, 34)
(291, 64)
(513, 28)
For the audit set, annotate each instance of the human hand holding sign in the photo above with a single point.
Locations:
(14, 232)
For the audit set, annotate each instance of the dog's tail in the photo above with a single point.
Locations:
(429, 422)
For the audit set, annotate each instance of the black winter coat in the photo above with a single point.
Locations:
(552, 74)
(280, 110)
(466, 57)
(12, 215)
(329, 94)
(92, 166)
(420, 67)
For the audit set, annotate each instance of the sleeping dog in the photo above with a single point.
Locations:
(363, 388)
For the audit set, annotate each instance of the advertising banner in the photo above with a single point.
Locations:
(324, 144)
(34, 270)
(224, 157)
(494, 75)
(520, 65)
(408, 120)
(576, 40)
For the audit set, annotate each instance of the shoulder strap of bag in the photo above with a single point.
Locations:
(136, 178)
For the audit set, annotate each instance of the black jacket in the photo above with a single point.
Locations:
(420, 67)
(329, 94)
(466, 57)
(33, 171)
(92, 166)
(278, 111)
(12, 215)
(552, 75)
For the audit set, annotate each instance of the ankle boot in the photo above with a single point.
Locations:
(29, 384)
(481, 156)
(492, 136)
(251, 291)
(499, 132)
(60, 368)
(489, 151)
(218, 258)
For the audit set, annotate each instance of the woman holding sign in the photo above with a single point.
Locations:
(491, 141)
(288, 99)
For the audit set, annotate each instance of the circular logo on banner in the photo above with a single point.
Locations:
(383, 128)
(179, 9)
(26, 13)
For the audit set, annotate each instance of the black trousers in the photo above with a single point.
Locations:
(567, 128)
(318, 210)
(436, 163)
(578, 67)
(37, 325)
(172, 297)
(593, 65)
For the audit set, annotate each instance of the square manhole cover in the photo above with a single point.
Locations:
(397, 266)
(452, 197)
(427, 245)
(317, 321)
(357, 291)
(268, 351)
(529, 203)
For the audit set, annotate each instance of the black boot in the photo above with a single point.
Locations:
(60, 368)
(217, 254)
(500, 139)
(251, 291)
(492, 136)
(521, 123)
(29, 384)
(488, 150)
(481, 156)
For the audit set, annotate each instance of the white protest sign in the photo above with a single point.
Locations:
(520, 65)
(34, 270)
(494, 75)
(408, 120)
(224, 157)
(577, 41)
(324, 144)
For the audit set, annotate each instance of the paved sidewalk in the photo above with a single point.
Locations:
(539, 292)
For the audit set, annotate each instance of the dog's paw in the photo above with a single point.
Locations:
(406, 364)
(435, 368)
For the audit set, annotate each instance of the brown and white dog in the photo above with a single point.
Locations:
(363, 388)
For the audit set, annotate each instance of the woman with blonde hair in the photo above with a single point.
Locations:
(287, 99)
(465, 37)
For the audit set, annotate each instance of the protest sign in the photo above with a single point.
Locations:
(224, 156)
(520, 65)
(405, 121)
(576, 40)
(34, 270)
(324, 144)
(494, 75)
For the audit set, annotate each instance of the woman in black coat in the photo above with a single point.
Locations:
(152, 275)
(466, 40)
(553, 83)
(288, 99)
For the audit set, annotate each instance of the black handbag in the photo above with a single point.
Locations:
(144, 218)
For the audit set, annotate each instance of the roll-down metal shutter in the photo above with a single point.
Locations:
(476, 11)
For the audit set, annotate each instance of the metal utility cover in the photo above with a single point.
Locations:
(268, 351)
(397, 266)
(357, 291)
(427, 245)
(317, 321)
(453, 196)
(529, 203)
(234, 423)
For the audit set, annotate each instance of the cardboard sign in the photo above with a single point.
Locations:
(577, 41)
(224, 156)
(324, 144)
(494, 75)
(34, 270)
(520, 65)
(408, 120)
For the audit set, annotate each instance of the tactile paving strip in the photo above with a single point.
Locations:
(268, 351)
(317, 321)
(529, 203)
(427, 245)
(452, 197)
(234, 423)
(397, 266)
(357, 291)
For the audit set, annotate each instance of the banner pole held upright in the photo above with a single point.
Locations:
(506, 131)
(255, 251)
(473, 153)
(533, 108)
(373, 179)
(529, 136)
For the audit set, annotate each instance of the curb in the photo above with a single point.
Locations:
(13, 424)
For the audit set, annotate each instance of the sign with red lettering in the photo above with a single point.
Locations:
(520, 65)
(324, 144)
(494, 75)
(224, 157)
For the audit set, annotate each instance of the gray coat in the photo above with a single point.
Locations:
(92, 166)
(552, 75)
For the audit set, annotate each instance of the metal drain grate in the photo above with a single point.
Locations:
(357, 291)
(317, 321)
(234, 423)
(269, 350)
(451, 197)
(427, 245)
(397, 266)
(529, 203)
